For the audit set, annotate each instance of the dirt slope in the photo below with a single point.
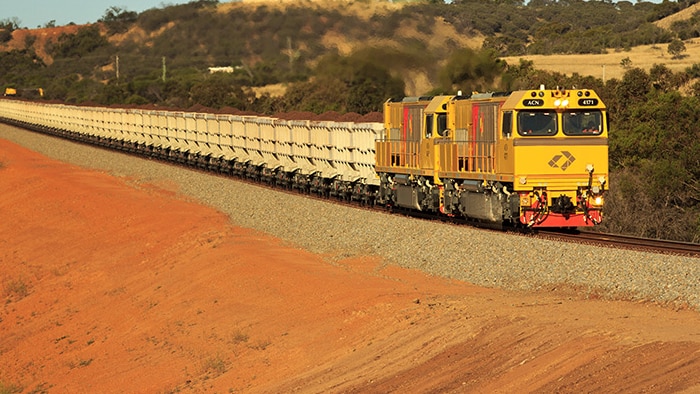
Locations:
(42, 38)
(112, 285)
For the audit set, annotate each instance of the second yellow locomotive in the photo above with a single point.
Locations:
(534, 157)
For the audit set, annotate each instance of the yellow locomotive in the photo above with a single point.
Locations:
(534, 157)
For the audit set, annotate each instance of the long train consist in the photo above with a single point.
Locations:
(534, 158)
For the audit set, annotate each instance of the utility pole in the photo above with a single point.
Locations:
(163, 69)
(117, 66)
(293, 55)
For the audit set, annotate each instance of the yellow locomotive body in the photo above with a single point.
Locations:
(535, 157)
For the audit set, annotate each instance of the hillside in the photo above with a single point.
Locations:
(441, 38)
(345, 34)
(604, 66)
(608, 65)
(41, 38)
(278, 41)
(162, 56)
(682, 15)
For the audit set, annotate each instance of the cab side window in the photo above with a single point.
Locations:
(442, 125)
(507, 125)
(428, 126)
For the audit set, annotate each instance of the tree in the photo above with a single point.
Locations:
(7, 26)
(86, 40)
(370, 86)
(219, 90)
(118, 20)
(469, 70)
(676, 48)
(626, 63)
(354, 83)
(635, 85)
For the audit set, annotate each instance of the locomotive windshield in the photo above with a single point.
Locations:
(537, 123)
(582, 122)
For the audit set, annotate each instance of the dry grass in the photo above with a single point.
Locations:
(607, 66)
(17, 287)
(216, 365)
(9, 388)
(274, 90)
(363, 9)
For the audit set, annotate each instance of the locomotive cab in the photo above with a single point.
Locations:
(558, 152)
(434, 130)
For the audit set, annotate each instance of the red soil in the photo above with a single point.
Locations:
(112, 285)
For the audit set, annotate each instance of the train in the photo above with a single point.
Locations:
(529, 158)
(27, 93)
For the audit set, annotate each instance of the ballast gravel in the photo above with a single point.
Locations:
(480, 257)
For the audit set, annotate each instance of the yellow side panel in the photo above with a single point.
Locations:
(426, 154)
(382, 157)
(397, 154)
(505, 157)
(448, 157)
(436, 162)
(393, 116)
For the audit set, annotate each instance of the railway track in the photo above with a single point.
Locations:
(629, 242)
(625, 241)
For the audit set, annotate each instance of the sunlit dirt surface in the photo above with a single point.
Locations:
(110, 285)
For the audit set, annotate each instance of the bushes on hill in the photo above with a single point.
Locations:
(470, 70)
(7, 26)
(654, 156)
(345, 84)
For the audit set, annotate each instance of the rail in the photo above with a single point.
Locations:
(625, 241)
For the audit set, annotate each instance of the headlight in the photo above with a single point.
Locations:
(598, 200)
(561, 103)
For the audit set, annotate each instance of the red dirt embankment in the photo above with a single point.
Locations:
(111, 285)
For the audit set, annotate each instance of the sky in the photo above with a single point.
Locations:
(37, 13)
